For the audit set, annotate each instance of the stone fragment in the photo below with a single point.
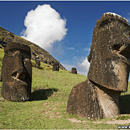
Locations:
(16, 72)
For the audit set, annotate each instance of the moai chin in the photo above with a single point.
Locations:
(16, 72)
(98, 96)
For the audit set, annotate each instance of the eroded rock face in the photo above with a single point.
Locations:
(16, 72)
(98, 96)
(74, 70)
(56, 66)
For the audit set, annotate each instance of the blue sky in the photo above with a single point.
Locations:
(80, 19)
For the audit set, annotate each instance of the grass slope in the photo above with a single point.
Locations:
(49, 111)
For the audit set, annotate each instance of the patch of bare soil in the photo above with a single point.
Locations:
(114, 122)
(98, 122)
(75, 120)
(118, 122)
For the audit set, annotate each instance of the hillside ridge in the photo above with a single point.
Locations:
(44, 56)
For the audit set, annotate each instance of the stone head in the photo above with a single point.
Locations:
(37, 61)
(56, 66)
(74, 70)
(110, 52)
(16, 72)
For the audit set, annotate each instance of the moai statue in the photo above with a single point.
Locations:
(16, 72)
(98, 96)
(37, 61)
(55, 66)
(74, 70)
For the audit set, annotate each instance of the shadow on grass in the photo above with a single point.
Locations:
(125, 104)
(42, 94)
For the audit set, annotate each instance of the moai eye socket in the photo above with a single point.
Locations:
(105, 23)
(26, 60)
(116, 47)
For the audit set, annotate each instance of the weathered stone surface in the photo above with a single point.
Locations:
(16, 72)
(37, 61)
(98, 96)
(109, 56)
(56, 66)
(74, 70)
(83, 101)
(92, 101)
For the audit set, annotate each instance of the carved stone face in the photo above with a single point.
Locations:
(110, 53)
(16, 72)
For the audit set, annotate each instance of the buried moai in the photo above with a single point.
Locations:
(37, 61)
(55, 66)
(16, 72)
(98, 96)
(74, 70)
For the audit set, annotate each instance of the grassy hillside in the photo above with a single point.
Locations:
(49, 111)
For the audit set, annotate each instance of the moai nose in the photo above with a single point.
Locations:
(19, 74)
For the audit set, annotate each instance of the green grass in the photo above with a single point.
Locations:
(47, 110)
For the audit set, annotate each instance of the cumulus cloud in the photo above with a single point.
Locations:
(44, 26)
(83, 67)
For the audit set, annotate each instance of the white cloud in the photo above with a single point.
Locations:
(83, 66)
(44, 26)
